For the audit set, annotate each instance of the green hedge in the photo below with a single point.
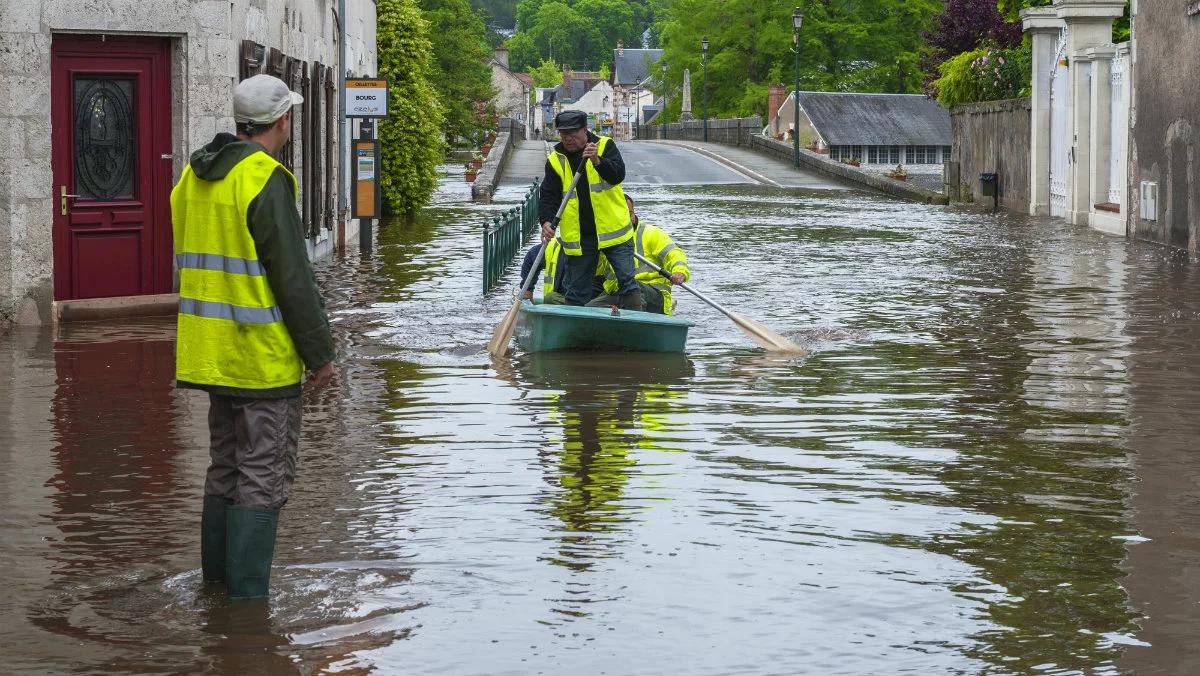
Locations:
(984, 75)
(411, 136)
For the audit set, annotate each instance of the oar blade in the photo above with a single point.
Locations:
(504, 331)
(765, 337)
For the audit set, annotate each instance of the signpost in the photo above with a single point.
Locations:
(366, 99)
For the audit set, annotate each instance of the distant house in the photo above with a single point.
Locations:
(512, 98)
(633, 70)
(586, 91)
(912, 130)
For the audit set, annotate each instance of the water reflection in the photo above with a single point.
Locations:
(994, 411)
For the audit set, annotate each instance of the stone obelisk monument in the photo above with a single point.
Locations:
(685, 113)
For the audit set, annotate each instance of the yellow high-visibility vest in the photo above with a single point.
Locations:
(608, 206)
(553, 249)
(231, 332)
(655, 244)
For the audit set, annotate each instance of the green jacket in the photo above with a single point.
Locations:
(278, 238)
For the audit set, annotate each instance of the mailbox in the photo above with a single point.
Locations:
(988, 184)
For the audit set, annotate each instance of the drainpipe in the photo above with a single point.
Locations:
(343, 143)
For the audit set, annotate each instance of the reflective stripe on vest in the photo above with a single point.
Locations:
(231, 331)
(608, 206)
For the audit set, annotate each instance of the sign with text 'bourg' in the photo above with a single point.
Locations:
(366, 97)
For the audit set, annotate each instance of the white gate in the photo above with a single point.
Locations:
(1060, 142)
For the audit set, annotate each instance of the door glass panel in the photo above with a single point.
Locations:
(104, 137)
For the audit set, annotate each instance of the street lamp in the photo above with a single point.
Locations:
(664, 88)
(797, 20)
(704, 62)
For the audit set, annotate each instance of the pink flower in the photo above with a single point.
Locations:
(1002, 61)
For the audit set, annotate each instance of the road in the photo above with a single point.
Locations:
(654, 163)
(987, 464)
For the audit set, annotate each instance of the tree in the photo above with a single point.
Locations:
(500, 13)
(566, 36)
(614, 19)
(547, 74)
(460, 73)
(411, 136)
(577, 33)
(872, 47)
(965, 25)
(523, 52)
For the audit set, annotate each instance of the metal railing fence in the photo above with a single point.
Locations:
(504, 235)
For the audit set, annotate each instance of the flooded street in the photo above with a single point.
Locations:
(987, 465)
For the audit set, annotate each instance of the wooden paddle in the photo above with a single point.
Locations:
(503, 333)
(768, 339)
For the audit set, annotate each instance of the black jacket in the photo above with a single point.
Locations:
(611, 169)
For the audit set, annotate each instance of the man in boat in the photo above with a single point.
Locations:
(552, 275)
(595, 223)
(655, 244)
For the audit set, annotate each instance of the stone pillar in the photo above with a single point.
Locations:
(1089, 24)
(1044, 28)
(1079, 128)
(1102, 112)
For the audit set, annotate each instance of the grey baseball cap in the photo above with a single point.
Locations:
(262, 99)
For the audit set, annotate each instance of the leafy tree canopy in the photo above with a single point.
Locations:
(459, 74)
(591, 29)
(871, 47)
(500, 13)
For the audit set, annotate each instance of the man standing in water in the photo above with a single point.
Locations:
(595, 220)
(250, 321)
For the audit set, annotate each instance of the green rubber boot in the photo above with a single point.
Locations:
(250, 543)
(212, 538)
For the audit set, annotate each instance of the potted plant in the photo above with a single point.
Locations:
(470, 174)
(476, 160)
(898, 173)
(852, 161)
(486, 148)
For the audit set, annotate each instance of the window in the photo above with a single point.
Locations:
(928, 154)
(312, 154)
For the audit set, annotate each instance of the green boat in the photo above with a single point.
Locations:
(542, 328)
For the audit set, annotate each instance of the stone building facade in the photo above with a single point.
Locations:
(1164, 136)
(101, 104)
(513, 96)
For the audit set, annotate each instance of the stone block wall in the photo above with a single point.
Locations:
(993, 137)
(205, 36)
(733, 131)
(1164, 141)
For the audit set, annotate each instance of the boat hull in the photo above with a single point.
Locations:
(545, 328)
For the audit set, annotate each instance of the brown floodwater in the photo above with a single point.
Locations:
(987, 465)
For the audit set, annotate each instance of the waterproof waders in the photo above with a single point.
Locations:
(251, 546)
(212, 538)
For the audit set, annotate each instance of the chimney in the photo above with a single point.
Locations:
(621, 47)
(777, 93)
(502, 56)
(567, 81)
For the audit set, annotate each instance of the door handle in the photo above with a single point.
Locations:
(64, 206)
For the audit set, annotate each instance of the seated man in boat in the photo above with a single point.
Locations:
(655, 244)
(552, 278)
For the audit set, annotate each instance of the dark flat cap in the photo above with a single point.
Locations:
(570, 119)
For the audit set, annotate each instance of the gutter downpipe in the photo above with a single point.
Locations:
(343, 143)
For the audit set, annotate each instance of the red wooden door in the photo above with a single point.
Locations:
(110, 106)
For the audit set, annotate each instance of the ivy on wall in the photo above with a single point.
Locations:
(411, 135)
